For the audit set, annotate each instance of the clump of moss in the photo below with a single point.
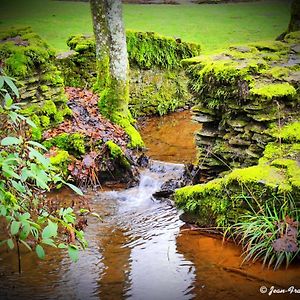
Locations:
(117, 154)
(148, 49)
(136, 140)
(271, 46)
(45, 116)
(274, 90)
(289, 133)
(292, 37)
(277, 72)
(145, 49)
(61, 160)
(22, 51)
(81, 43)
(73, 143)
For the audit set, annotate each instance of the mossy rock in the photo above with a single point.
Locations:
(29, 59)
(23, 51)
(117, 154)
(273, 91)
(219, 202)
(74, 143)
(145, 49)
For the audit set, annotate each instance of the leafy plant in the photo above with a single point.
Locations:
(271, 234)
(25, 174)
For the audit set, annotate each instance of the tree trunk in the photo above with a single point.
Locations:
(112, 65)
(295, 16)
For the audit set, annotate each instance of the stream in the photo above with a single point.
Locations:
(142, 250)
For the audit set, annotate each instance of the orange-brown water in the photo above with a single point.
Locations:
(142, 251)
(171, 137)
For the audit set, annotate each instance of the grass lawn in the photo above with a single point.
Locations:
(213, 26)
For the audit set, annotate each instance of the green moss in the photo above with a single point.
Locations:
(145, 49)
(205, 201)
(290, 132)
(73, 143)
(293, 37)
(126, 123)
(148, 49)
(45, 121)
(293, 170)
(269, 176)
(49, 108)
(271, 46)
(158, 91)
(81, 43)
(277, 72)
(115, 150)
(117, 154)
(274, 90)
(44, 88)
(61, 160)
(221, 200)
(36, 134)
(22, 51)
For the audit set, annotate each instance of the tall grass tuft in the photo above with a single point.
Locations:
(271, 234)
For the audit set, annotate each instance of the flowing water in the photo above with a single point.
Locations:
(141, 251)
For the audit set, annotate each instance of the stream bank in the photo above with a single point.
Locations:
(141, 251)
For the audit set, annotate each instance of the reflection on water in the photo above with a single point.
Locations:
(139, 252)
(171, 137)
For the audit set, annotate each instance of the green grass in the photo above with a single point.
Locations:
(213, 26)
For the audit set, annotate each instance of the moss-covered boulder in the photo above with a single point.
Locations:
(158, 84)
(241, 94)
(277, 175)
(27, 58)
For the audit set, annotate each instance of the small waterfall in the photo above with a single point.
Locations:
(151, 179)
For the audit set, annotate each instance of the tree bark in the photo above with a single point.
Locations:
(112, 65)
(295, 16)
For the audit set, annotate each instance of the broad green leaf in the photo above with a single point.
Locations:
(26, 174)
(49, 242)
(33, 143)
(13, 116)
(10, 244)
(39, 157)
(3, 211)
(73, 252)
(62, 246)
(25, 230)
(34, 232)
(1, 82)
(9, 102)
(50, 230)
(41, 184)
(14, 227)
(74, 188)
(10, 140)
(30, 123)
(40, 251)
(18, 186)
(9, 171)
(25, 216)
(11, 84)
